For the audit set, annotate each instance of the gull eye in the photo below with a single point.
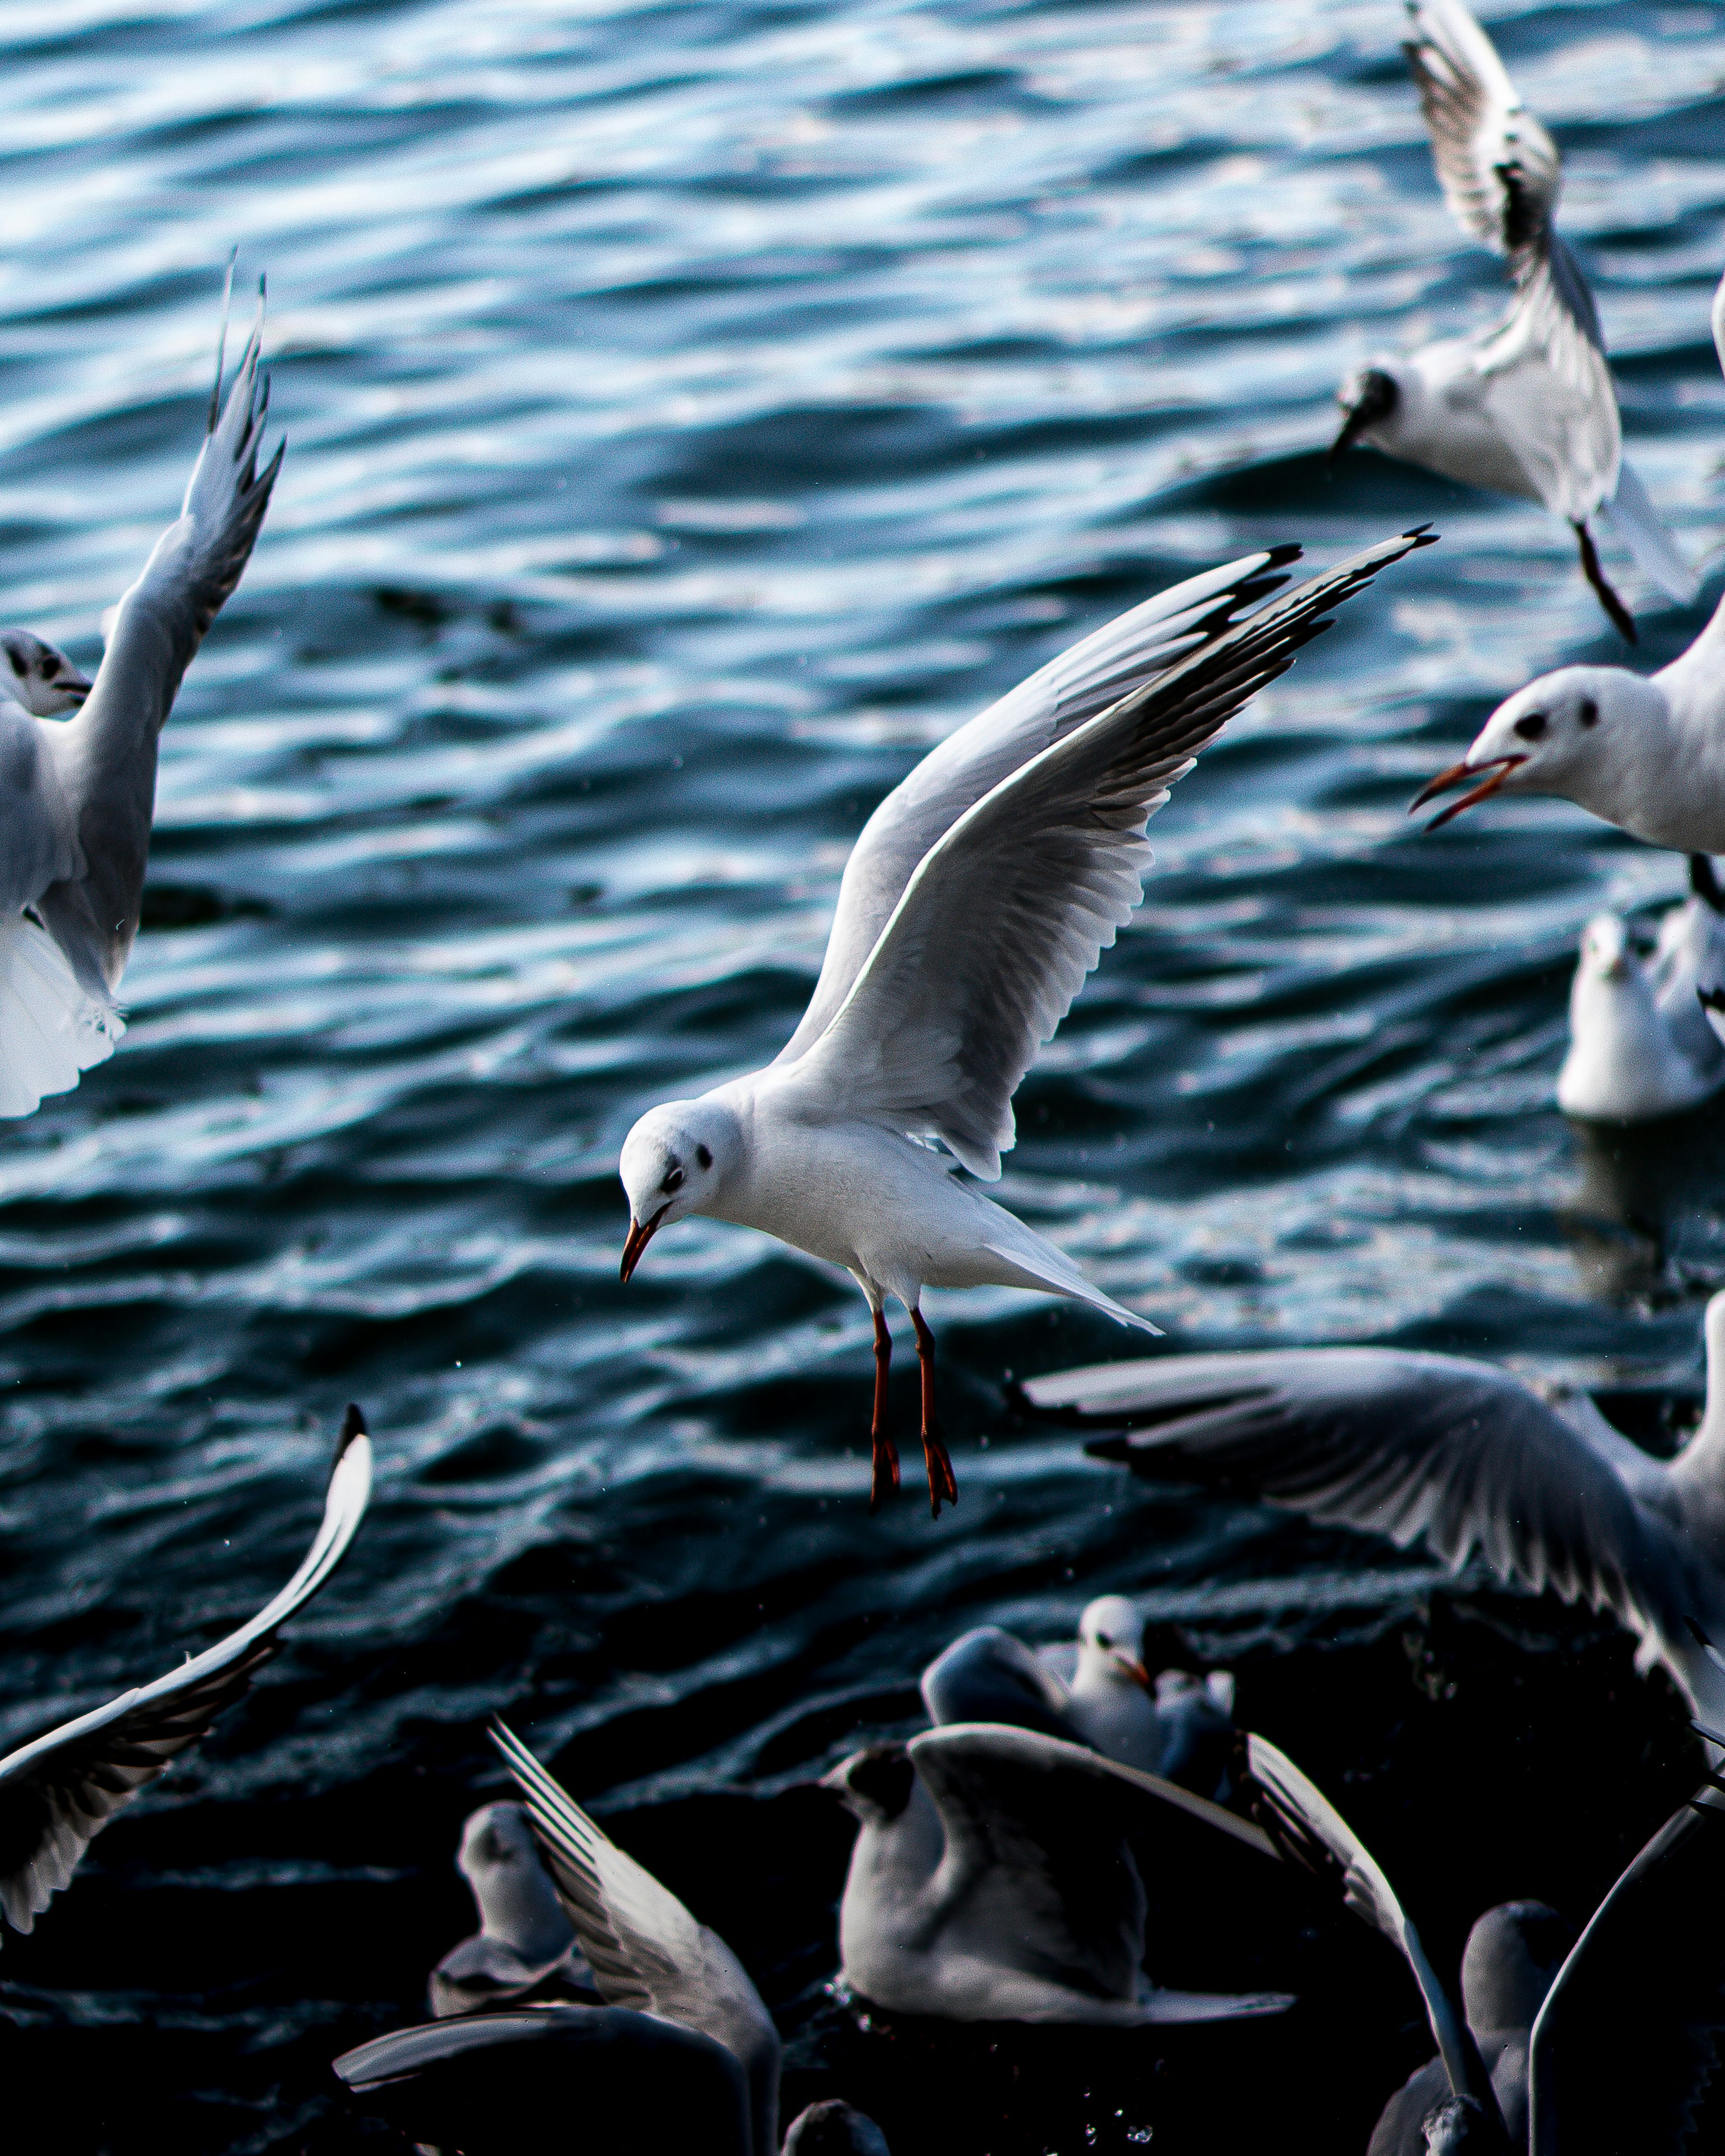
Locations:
(1532, 725)
(50, 667)
(1588, 713)
(673, 1181)
(703, 1156)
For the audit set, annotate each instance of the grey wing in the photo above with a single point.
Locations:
(1545, 381)
(646, 1950)
(988, 1676)
(1007, 913)
(106, 754)
(58, 1792)
(1094, 672)
(1645, 1985)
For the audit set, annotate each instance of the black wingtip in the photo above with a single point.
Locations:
(1279, 556)
(1704, 881)
(1700, 1637)
(353, 1425)
(1422, 534)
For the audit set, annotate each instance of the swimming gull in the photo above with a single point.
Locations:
(80, 792)
(982, 892)
(58, 1792)
(1458, 1455)
(1520, 2057)
(992, 1880)
(1638, 1049)
(1094, 1691)
(1525, 407)
(525, 1947)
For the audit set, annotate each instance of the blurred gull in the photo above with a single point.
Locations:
(1520, 2059)
(1527, 407)
(1460, 1455)
(1637, 1052)
(59, 1791)
(77, 795)
(525, 1945)
(982, 892)
(992, 1880)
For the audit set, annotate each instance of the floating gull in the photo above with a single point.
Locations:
(1637, 1052)
(525, 1945)
(649, 1955)
(1527, 407)
(982, 892)
(992, 1880)
(1519, 2059)
(1095, 1691)
(79, 793)
(59, 1791)
(1460, 1455)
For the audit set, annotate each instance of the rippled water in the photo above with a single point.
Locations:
(694, 413)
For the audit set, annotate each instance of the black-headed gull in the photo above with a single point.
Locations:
(1527, 407)
(1556, 2044)
(1639, 1043)
(982, 892)
(1458, 1455)
(992, 1880)
(40, 680)
(1095, 1691)
(525, 1946)
(77, 795)
(58, 1792)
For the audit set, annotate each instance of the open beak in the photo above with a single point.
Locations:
(640, 1233)
(74, 684)
(1498, 769)
(1130, 1666)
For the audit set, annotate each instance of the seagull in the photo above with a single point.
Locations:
(525, 1945)
(982, 892)
(1527, 407)
(58, 1792)
(992, 1880)
(1094, 1691)
(1689, 957)
(77, 794)
(1460, 1455)
(1520, 2059)
(649, 1955)
(1635, 1054)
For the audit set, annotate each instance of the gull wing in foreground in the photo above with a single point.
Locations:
(646, 1951)
(1036, 1864)
(1311, 1831)
(58, 1792)
(105, 755)
(1007, 911)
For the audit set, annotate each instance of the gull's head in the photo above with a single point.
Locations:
(34, 675)
(874, 1785)
(1369, 399)
(1111, 1641)
(1563, 734)
(1606, 953)
(673, 1163)
(1512, 1954)
(500, 1861)
(833, 2128)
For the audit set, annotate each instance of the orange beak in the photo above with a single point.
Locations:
(1132, 1667)
(640, 1233)
(1497, 770)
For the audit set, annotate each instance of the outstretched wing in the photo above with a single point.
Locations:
(646, 1951)
(1546, 384)
(1007, 911)
(58, 1792)
(988, 1676)
(106, 754)
(1645, 1986)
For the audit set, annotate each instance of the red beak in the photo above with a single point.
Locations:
(1133, 1668)
(1497, 770)
(640, 1233)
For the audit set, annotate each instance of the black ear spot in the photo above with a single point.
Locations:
(18, 664)
(703, 1156)
(1588, 713)
(1531, 724)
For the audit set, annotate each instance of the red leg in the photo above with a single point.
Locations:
(941, 1482)
(884, 1480)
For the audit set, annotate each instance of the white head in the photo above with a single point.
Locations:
(1577, 732)
(34, 674)
(1111, 1641)
(517, 1902)
(674, 1163)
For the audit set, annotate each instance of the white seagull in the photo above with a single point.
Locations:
(77, 795)
(58, 1792)
(982, 892)
(1459, 1456)
(1527, 407)
(992, 1880)
(525, 1945)
(1639, 1048)
(1557, 2045)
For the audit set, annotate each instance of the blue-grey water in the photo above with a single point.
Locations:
(693, 413)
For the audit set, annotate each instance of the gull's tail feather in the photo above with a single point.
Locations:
(1637, 522)
(50, 1030)
(1038, 1264)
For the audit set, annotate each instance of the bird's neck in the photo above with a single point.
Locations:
(1699, 1469)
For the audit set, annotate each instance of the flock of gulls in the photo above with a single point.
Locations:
(993, 1875)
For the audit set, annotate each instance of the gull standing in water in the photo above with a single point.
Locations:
(77, 795)
(982, 892)
(525, 1947)
(1527, 407)
(1639, 1048)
